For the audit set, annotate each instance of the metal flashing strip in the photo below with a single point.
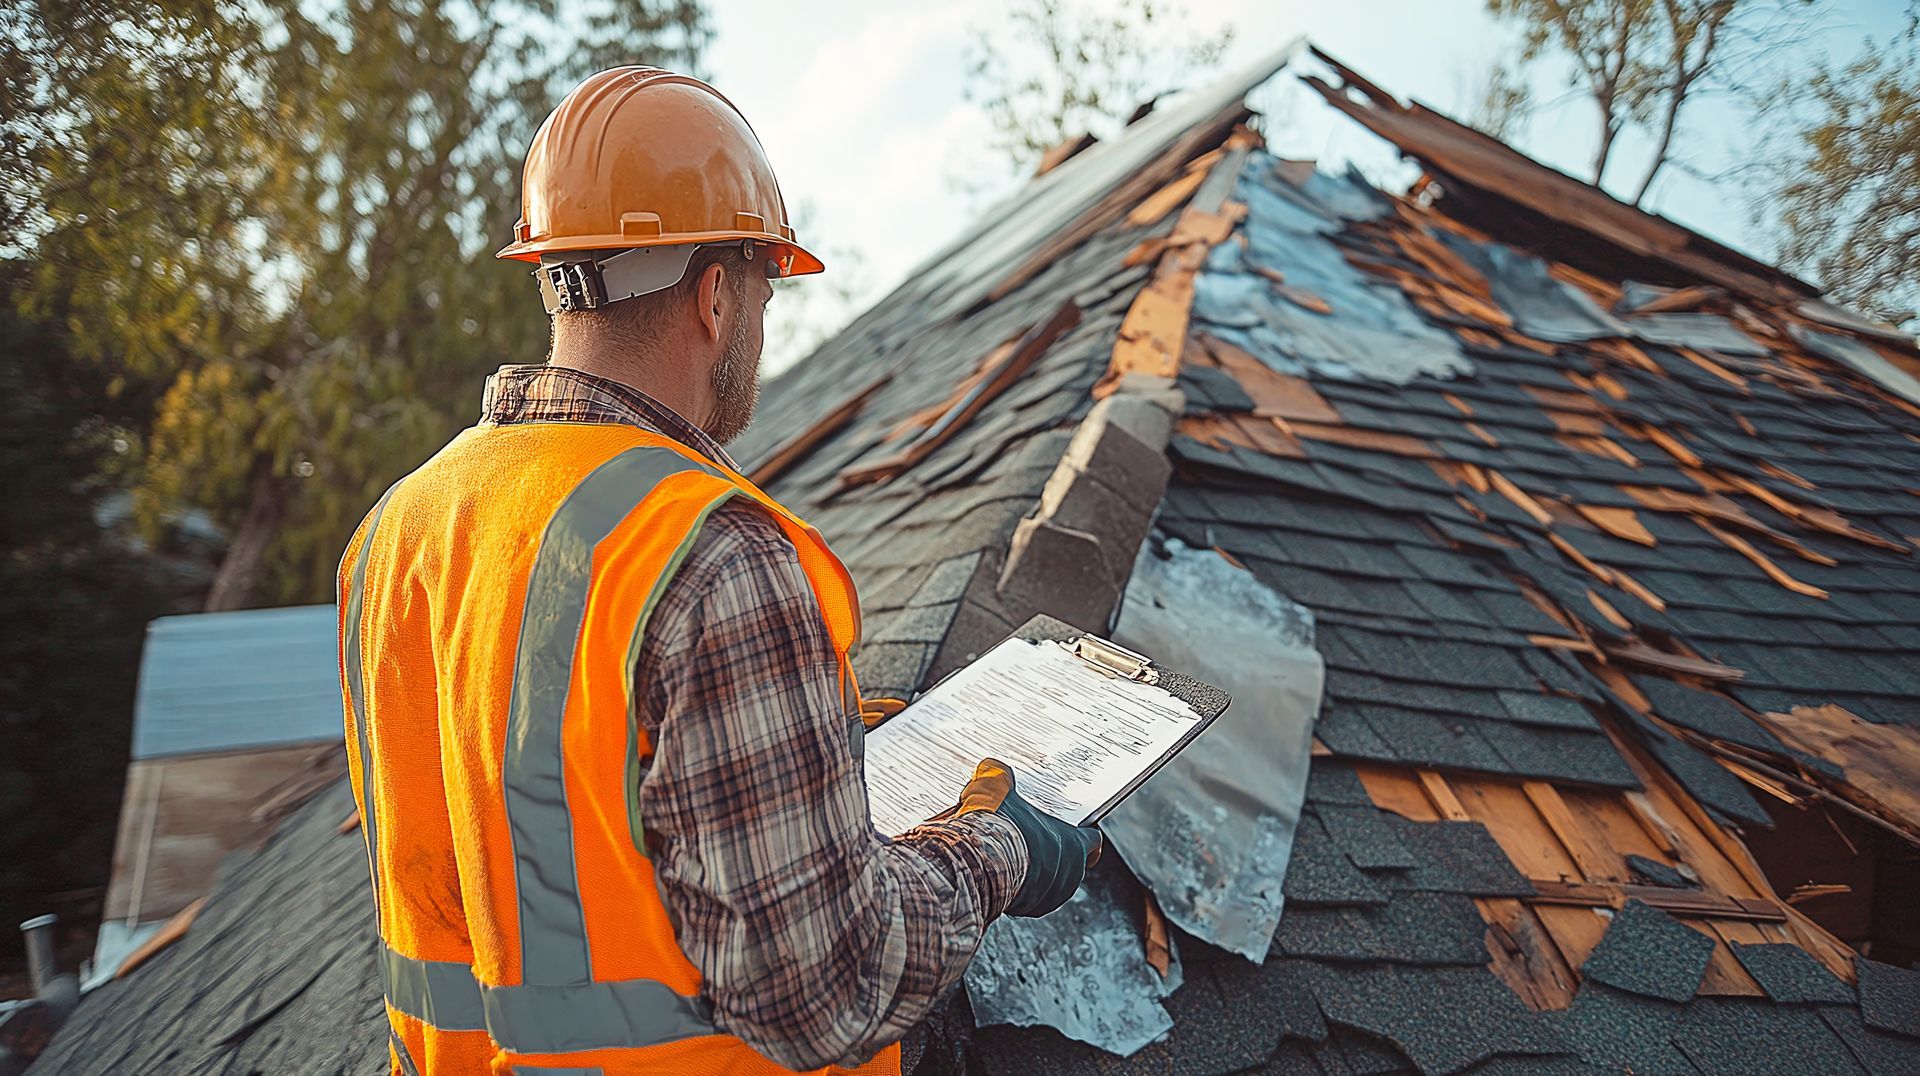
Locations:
(553, 933)
(355, 600)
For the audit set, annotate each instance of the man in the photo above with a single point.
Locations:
(601, 721)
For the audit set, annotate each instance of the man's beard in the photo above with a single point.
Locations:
(736, 386)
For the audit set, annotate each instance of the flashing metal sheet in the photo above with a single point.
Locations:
(1081, 970)
(1863, 357)
(1708, 332)
(1371, 332)
(1541, 307)
(223, 681)
(1212, 832)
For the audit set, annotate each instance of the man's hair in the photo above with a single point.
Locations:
(644, 316)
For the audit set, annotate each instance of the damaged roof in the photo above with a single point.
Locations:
(1544, 545)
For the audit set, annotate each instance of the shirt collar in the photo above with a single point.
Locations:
(542, 393)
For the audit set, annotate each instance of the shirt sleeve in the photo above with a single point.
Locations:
(820, 941)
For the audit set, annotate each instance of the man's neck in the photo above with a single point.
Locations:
(673, 385)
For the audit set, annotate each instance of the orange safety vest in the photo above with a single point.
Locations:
(491, 606)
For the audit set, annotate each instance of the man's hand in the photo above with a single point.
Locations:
(1058, 854)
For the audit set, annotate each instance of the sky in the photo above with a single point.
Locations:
(860, 106)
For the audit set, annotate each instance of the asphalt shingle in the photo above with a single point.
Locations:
(1646, 951)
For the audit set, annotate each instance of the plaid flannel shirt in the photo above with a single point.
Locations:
(820, 941)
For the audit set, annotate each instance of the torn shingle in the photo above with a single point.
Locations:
(1881, 1053)
(1456, 857)
(1366, 836)
(1398, 1005)
(1653, 872)
(1625, 1031)
(1732, 1036)
(1889, 996)
(1321, 873)
(1646, 951)
(1336, 782)
(1791, 975)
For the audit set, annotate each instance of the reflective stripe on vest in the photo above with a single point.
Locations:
(553, 930)
(542, 1019)
(356, 690)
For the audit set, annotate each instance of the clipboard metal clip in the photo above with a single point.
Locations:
(1115, 659)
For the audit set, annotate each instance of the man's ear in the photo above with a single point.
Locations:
(710, 296)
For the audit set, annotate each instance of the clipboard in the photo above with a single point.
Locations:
(1156, 684)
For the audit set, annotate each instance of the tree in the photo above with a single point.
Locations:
(75, 600)
(1691, 32)
(1848, 197)
(1608, 43)
(1053, 70)
(1502, 103)
(275, 218)
(1642, 61)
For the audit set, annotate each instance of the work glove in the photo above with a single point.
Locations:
(1058, 854)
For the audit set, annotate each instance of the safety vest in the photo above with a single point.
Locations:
(491, 607)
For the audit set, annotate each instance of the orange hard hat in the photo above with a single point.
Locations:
(639, 157)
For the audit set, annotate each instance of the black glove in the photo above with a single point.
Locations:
(1058, 854)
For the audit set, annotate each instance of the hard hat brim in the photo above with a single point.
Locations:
(801, 263)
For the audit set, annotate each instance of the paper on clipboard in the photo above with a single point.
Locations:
(1076, 737)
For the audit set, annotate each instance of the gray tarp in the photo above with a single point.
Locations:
(1863, 357)
(1211, 833)
(1371, 332)
(1081, 970)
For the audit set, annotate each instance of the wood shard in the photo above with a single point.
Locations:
(1607, 611)
(171, 931)
(1774, 571)
(1274, 394)
(1352, 436)
(1520, 498)
(1020, 356)
(1619, 522)
(1167, 198)
(1638, 653)
(1159, 947)
(803, 444)
(1879, 759)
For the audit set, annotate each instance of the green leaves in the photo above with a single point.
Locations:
(1061, 70)
(1849, 196)
(271, 225)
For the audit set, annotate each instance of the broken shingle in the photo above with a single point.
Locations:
(1653, 872)
(1791, 975)
(1751, 1037)
(1889, 996)
(1320, 872)
(1646, 951)
(1366, 837)
(1480, 1018)
(1457, 857)
(1705, 713)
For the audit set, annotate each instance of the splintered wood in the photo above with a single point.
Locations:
(1154, 331)
(994, 378)
(1572, 843)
